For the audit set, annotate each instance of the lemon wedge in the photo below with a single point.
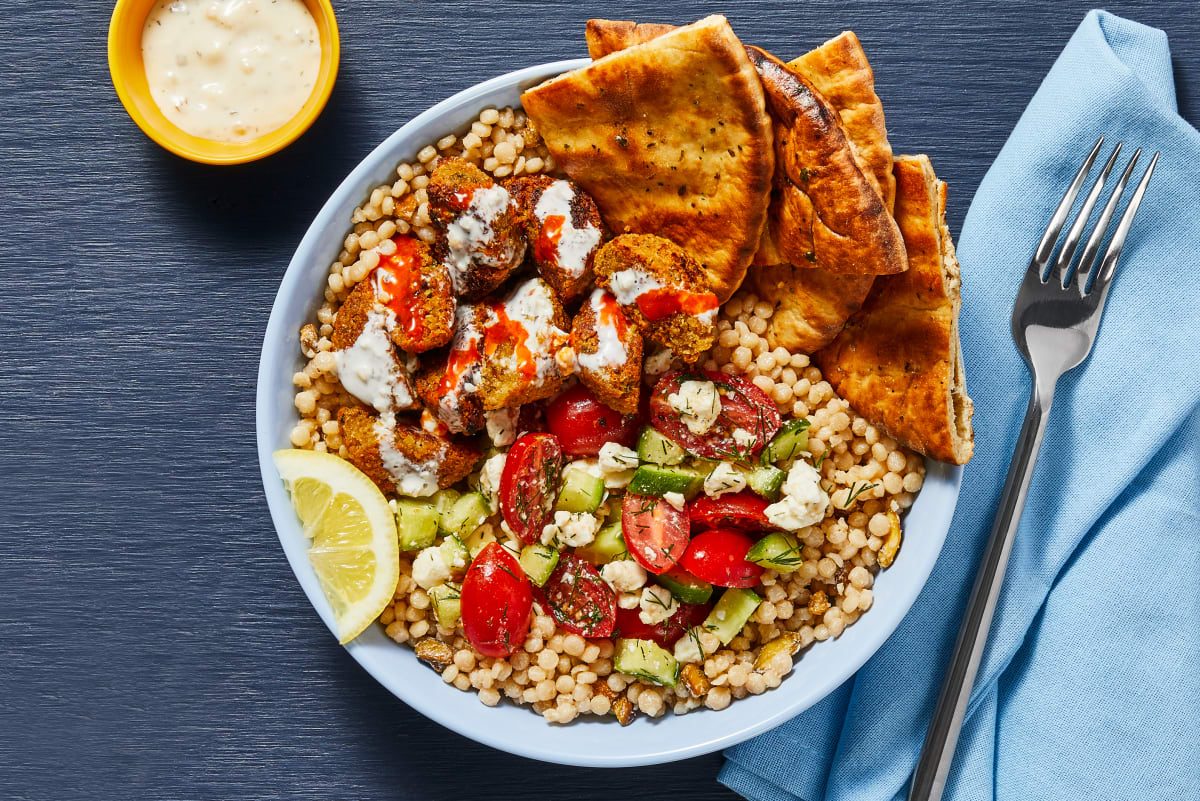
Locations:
(354, 550)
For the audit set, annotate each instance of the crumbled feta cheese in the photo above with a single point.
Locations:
(656, 604)
(698, 405)
(676, 499)
(617, 463)
(804, 503)
(614, 457)
(624, 575)
(629, 600)
(430, 568)
(723, 479)
(489, 478)
(502, 426)
(687, 648)
(744, 439)
(570, 529)
(659, 361)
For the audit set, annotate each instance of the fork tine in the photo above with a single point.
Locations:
(1041, 256)
(1061, 270)
(1108, 265)
(1092, 248)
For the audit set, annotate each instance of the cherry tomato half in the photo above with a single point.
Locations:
(719, 557)
(743, 406)
(497, 602)
(579, 599)
(744, 510)
(583, 424)
(656, 533)
(629, 624)
(529, 484)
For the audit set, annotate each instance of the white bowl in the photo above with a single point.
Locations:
(587, 741)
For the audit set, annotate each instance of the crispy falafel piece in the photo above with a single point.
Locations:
(455, 400)
(414, 287)
(522, 337)
(608, 352)
(482, 242)
(461, 412)
(648, 273)
(358, 318)
(366, 437)
(564, 230)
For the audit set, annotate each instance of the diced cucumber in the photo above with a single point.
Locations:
(608, 545)
(466, 514)
(456, 554)
(654, 447)
(581, 490)
(791, 440)
(417, 524)
(538, 561)
(446, 604)
(767, 481)
(442, 500)
(730, 614)
(778, 551)
(654, 480)
(646, 660)
(687, 588)
(482, 537)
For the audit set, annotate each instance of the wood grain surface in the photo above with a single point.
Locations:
(155, 644)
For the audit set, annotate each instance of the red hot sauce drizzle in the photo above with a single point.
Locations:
(398, 279)
(655, 304)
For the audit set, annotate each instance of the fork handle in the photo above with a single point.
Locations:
(929, 777)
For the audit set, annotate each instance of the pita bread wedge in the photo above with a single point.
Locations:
(605, 36)
(899, 360)
(670, 137)
(824, 212)
(813, 303)
(839, 70)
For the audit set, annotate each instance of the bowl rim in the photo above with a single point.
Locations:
(866, 639)
(124, 67)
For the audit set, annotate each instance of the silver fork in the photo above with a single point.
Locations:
(1054, 323)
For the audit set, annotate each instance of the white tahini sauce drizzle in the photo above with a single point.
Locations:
(610, 351)
(575, 244)
(368, 368)
(415, 479)
(467, 333)
(530, 304)
(629, 284)
(230, 70)
(470, 234)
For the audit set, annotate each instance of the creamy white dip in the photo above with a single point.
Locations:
(230, 70)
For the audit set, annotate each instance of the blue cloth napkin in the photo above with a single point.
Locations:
(1090, 685)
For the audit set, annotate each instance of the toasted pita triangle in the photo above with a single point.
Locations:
(670, 137)
(899, 360)
(839, 70)
(824, 212)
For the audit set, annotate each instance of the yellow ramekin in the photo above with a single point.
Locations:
(129, 79)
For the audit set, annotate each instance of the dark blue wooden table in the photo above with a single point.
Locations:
(153, 642)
